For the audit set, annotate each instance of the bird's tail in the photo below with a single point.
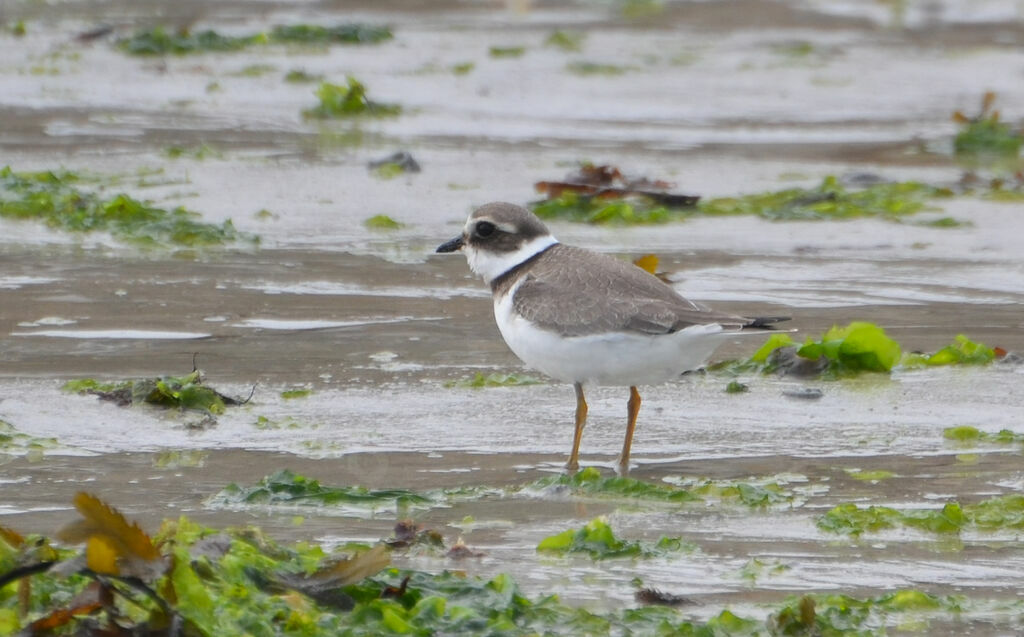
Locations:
(764, 322)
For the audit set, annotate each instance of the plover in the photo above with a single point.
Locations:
(587, 318)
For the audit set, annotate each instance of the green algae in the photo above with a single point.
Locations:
(736, 387)
(481, 380)
(506, 51)
(842, 351)
(870, 476)
(463, 68)
(337, 101)
(988, 136)
(388, 170)
(751, 495)
(290, 394)
(57, 199)
(984, 137)
(992, 514)
(755, 493)
(859, 346)
(756, 569)
(178, 459)
(15, 443)
(582, 67)
(837, 615)
(177, 392)
(321, 35)
(589, 483)
(846, 351)
(597, 540)
(254, 70)
(962, 351)
(569, 41)
(968, 434)
(634, 210)
(287, 487)
(288, 422)
(200, 152)
(299, 76)
(382, 222)
(641, 9)
(774, 342)
(829, 200)
(160, 41)
(240, 581)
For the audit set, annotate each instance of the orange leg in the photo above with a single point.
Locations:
(581, 420)
(632, 409)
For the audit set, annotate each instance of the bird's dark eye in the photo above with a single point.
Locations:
(484, 229)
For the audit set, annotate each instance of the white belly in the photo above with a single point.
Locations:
(612, 358)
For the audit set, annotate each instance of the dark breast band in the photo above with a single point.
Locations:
(505, 280)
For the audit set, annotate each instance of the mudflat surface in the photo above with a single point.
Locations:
(722, 98)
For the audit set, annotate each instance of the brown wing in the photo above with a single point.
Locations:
(597, 293)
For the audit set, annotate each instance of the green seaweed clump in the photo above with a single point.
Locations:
(590, 483)
(194, 580)
(55, 198)
(594, 68)
(340, 34)
(829, 200)
(630, 210)
(835, 615)
(159, 41)
(13, 442)
(968, 434)
(991, 514)
(850, 519)
(962, 351)
(338, 101)
(180, 392)
(566, 40)
(388, 170)
(844, 351)
(299, 76)
(736, 387)
(288, 487)
(382, 222)
(984, 137)
(859, 346)
(201, 152)
(841, 351)
(597, 540)
(479, 381)
(752, 495)
(506, 51)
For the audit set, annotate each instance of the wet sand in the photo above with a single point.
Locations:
(713, 98)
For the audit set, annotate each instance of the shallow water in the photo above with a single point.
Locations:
(713, 98)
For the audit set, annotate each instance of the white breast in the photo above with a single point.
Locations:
(610, 358)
